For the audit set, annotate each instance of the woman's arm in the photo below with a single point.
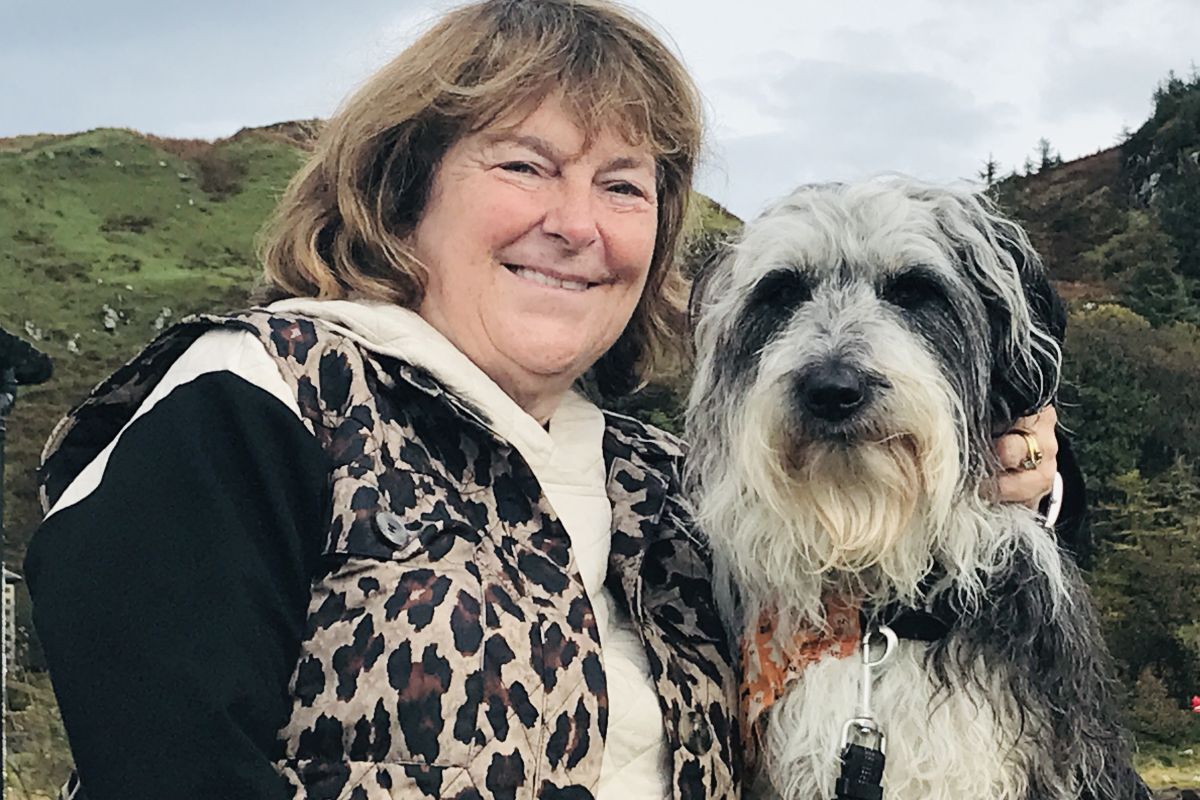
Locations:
(170, 600)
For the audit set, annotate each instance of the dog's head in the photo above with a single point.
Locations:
(857, 350)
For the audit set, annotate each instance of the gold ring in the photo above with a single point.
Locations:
(1035, 456)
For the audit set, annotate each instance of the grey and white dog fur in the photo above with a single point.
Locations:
(858, 348)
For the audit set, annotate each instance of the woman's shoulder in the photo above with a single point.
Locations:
(222, 396)
(235, 351)
(651, 441)
(198, 356)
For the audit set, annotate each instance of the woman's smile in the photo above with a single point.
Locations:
(552, 279)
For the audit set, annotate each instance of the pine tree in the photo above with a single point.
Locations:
(1142, 261)
(1046, 156)
(991, 168)
(1179, 208)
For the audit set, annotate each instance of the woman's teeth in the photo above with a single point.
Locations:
(546, 280)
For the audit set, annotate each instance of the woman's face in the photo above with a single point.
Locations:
(537, 250)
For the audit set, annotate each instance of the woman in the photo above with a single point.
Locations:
(369, 542)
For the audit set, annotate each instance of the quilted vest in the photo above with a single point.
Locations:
(451, 649)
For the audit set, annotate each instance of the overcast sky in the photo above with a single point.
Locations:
(797, 90)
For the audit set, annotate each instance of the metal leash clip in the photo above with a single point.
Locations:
(862, 762)
(864, 723)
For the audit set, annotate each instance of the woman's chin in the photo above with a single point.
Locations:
(552, 347)
(558, 365)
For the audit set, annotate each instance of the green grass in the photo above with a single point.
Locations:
(112, 217)
(1163, 766)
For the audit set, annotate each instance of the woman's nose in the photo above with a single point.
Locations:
(571, 216)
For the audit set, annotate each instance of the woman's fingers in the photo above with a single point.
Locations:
(1018, 448)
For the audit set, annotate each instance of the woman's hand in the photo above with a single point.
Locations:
(1019, 484)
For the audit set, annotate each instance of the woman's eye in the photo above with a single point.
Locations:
(520, 167)
(628, 189)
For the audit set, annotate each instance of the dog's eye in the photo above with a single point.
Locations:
(910, 290)
(781, 288)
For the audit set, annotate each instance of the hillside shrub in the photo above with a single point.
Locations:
(22, 236)
(200, 256)
(1141, 260)
(1130, 393)
(1155, 716)
(65, 271)
(1140, 240)
(1103, 396)
(1174, 126)
(125, 262)
(1172, 367)
(129, 223)
(1178, 207)
(220, 174)
(187, 149)
(1158, 292)
(1161, 169)
(660, 403)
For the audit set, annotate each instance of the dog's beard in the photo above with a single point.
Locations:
(867, 509)
(862, 497)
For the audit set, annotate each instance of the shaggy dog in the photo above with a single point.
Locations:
(857, 351)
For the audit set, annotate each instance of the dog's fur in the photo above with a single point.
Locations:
(939, 314)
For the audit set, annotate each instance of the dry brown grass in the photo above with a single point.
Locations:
(187, 149)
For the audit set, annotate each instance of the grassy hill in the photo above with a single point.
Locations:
(1068, 210)
(111, 219)
(109, 225)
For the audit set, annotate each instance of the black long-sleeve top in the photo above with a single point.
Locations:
(171, 599)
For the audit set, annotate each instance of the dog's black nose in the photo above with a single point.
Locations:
(833, 392)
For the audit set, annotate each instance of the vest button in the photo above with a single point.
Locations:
(695, 732)
(391, 527)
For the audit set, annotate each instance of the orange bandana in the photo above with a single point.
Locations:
(769, 667)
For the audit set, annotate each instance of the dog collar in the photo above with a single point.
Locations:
(914, 624)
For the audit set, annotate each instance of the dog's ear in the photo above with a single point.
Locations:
(1026, 319)
(1026, 366)
(1046, 309)
(1025, 376)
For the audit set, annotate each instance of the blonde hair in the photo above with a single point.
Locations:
(343, 224)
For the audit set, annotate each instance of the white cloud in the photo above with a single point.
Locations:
(834, 121)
